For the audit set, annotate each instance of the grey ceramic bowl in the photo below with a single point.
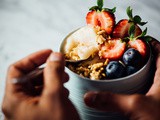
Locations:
(78, 86)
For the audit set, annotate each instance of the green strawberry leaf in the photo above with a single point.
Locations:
(100, 4)
(137, 19)
(144, 33)
(147, 38)
(131, 31)
(142, 23)
(100, 8)
(113, 10)
(94, 8)
(129, 13)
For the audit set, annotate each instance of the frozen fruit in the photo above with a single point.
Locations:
(115, 70)
(112, 49)
(132, 57)
(102, 17)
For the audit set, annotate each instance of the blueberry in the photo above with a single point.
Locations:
(115, 70)
(132, 57)
(130, 70)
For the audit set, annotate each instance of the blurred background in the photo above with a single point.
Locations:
(30, 25)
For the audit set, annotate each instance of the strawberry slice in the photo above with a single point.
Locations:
(104, 19)
(112, 49)
(92, 18)
(107, 21)
(122, 27)
(138, 45)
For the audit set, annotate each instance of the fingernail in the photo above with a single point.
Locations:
(55, 57)
(14, 81)
(90, 98)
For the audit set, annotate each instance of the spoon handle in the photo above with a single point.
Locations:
(28, 77)
(33, 74)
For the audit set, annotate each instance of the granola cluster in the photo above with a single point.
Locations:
(95, 71)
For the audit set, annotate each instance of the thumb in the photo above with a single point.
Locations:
(106, 101)
(53, 76)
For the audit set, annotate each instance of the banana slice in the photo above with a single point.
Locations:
(81, 44)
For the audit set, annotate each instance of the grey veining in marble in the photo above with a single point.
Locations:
(30, 25)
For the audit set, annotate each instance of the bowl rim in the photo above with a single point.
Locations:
(107, 80)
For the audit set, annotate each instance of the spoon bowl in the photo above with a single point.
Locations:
(74, 61)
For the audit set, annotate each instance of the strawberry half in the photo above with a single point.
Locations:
(112, 49)
(122, 27)
(105, 20)
(102, 17)
(92, 17)
(139, 45)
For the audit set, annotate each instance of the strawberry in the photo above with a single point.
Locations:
(92, 18)
(122, 27)
(139, 45)
(102, 17)
(112, 49)
(140, 42)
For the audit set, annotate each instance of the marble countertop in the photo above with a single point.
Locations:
(30, 25)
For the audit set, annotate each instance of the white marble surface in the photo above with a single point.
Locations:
(30, 25)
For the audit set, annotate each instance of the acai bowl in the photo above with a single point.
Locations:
(108, 56)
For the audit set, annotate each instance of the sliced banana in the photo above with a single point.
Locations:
(81, 44)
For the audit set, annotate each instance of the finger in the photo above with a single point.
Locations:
(156, 51)
(155, 46)
(155, 88)
(37, 85)
(53, 77)
(66, 77)
(28, 63)
(107, 101)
